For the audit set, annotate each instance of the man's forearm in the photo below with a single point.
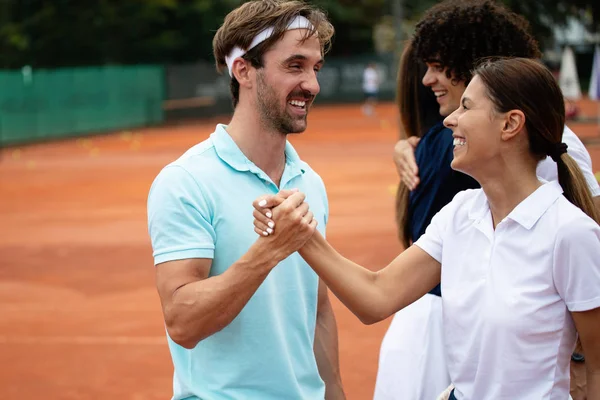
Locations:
(202, 308)
(326, 352)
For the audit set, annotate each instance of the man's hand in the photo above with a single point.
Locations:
(295, 222)
(263, 210)
(404, 157)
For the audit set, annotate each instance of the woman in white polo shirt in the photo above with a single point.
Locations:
(520, 257)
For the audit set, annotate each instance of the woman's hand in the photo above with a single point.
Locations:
(264, 219)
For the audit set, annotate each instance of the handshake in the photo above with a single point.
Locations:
(284, 220)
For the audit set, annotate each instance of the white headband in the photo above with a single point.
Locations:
(299, 22)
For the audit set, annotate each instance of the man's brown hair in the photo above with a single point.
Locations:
(245, 22)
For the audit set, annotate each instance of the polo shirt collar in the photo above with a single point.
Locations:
(530, 210)
(230, 153)
(526, 213)
(480, 207)
(292, 159)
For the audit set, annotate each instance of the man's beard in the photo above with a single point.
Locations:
(271, 113)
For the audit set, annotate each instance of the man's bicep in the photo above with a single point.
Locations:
(173, 275)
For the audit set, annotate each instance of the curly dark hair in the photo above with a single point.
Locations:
(458, 33)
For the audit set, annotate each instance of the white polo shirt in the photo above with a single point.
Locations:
(508, 293)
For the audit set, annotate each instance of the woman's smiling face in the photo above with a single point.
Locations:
(476, 128)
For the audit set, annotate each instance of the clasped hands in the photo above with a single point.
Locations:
(287, 214)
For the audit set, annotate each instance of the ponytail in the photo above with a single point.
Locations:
(574, 185)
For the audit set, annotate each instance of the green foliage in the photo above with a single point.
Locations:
(353, 21)
(96, 32)
(55, 33)
(541, 14)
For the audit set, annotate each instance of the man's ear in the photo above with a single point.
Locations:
(514, 122)
(242, 71)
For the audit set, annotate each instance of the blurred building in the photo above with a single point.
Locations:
(575, 35)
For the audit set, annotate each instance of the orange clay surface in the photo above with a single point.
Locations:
(80, 316)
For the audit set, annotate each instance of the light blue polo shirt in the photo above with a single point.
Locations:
(200, 206)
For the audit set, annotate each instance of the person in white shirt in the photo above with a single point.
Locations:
(412, 348)
(518, 259)
(370, 86)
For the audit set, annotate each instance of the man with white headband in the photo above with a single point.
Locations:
(246, 317)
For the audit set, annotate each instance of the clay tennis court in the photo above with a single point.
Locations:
(80, 317)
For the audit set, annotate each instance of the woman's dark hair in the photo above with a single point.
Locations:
(417, 104)
(527, 85)
(419, 111)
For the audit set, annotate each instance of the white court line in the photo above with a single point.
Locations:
(85, 340)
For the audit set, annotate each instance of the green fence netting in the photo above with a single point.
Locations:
(47, 104)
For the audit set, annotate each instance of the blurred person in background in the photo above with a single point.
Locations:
(450, 38)
(247, 318)
(517, 258)
(370, 86)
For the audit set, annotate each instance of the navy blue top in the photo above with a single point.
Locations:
(439, 183)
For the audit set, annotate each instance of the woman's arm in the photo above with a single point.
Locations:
(373, 296)
(588, 327)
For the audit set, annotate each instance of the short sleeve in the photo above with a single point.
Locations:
(432, 241)
(179, 218)
(577, 265)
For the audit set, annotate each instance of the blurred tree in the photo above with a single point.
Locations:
(541, 14)
(544, 14)
(354, 21)
(54, 33)
(95, 32)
